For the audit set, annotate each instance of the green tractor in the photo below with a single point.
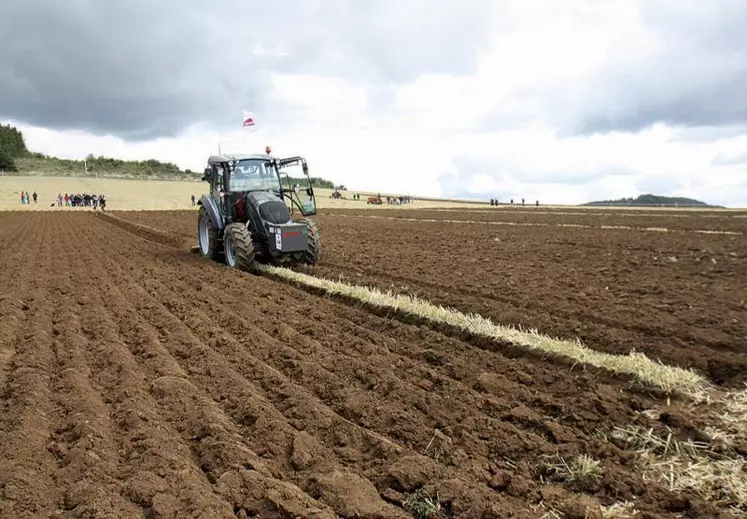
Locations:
(247, 218)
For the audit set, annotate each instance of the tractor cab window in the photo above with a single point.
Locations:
(254, 175)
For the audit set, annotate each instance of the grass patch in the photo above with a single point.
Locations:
(421, 505)
(667, 378)
(579, 470)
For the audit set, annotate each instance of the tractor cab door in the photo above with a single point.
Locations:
(303, 198)
(297, 187)
(215, 174)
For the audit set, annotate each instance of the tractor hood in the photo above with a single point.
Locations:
(270, 207)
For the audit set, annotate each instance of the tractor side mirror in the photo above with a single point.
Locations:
(305, 168)
(207, 175)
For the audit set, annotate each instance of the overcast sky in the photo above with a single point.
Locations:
(558, 100)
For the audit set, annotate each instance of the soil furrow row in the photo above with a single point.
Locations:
(16, 273)
(147, 381)
(160, 471)
(84, 440)
(479, 439)
(300, 330)
(26, 466)
(675, 298)
(510, 298)
(259, 412)
(590, 222)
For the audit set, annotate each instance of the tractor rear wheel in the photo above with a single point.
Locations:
(207, 235)
(313, 243)
(238, 248)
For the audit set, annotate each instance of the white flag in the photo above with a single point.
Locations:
(249, 119)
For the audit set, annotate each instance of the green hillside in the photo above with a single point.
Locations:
(649, 200)
(16, 158)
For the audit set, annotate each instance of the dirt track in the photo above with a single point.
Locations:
(139, 379)
(677, 296)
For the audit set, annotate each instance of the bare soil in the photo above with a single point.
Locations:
(680, 296)
(140, 380)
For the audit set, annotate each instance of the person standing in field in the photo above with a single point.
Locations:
(35, 196)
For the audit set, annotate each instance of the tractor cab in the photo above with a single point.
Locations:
(231, 178)
(252, 197)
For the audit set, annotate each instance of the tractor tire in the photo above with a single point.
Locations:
(207, 236)
(238, 248)
(313, 251)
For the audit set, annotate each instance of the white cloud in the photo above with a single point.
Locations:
(559, 101)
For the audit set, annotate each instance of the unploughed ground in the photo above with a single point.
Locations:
(124, 194)
(138, 379)
(678, 296)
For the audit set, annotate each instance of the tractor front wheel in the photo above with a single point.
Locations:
(207, 235)
(238, 248)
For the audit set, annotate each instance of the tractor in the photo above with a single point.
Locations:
(247, 217)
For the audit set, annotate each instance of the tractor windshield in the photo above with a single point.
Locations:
(254, 175)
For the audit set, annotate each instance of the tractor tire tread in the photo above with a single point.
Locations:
(312, 254)
(245, 253)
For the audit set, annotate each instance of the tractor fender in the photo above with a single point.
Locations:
(212, 209)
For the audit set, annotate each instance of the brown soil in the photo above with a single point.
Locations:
(731, 221)
(680, 297)
(138, 379)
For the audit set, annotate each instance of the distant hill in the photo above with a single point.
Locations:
(653, 201)
(15, 157)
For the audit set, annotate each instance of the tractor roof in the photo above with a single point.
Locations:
(243, 156)
(215, 160)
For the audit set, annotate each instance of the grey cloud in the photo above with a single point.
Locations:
(708, 133)
(697, 78)
(143, 69)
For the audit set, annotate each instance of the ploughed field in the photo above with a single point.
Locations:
(138, 379)
(670, 285)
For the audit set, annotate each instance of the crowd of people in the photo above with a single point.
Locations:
(81, 200)
(70, 200)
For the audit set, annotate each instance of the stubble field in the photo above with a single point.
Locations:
(138, 379)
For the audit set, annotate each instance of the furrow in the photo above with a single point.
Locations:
(84, 439)
(159, 470)
(180, 372)
(355, 446)
(26, 466)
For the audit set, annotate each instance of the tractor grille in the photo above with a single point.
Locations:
(274, 211)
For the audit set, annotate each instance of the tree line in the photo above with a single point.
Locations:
(16, 157)
(12, 146)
